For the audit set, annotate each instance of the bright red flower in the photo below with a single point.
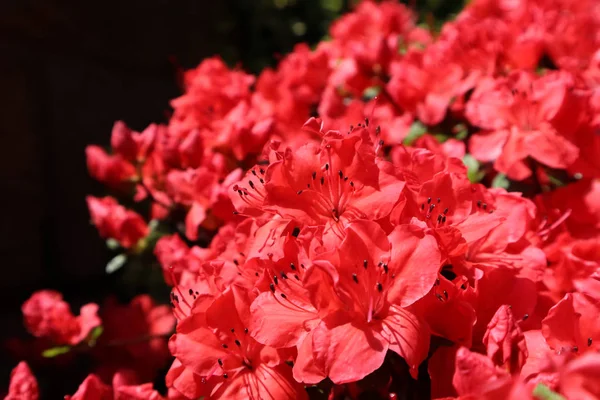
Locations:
(376, 277)
(215, 355)
(475, 374)
(212, 90)
(112, 170)
(572, 324)
(333, 184)
(92, 388)
(23, 385)
(520, 116)
(47, 315)
(116, 222)
(505, 342)
(130, 145)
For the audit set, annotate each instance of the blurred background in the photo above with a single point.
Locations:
(70, 69)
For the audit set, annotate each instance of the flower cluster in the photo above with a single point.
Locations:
(398, 210)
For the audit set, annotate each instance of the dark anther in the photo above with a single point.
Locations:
(379, 287)
(246, 330)
(381, 142)
(232, 330)
(438, 199)
(484, 206)
(237, 343)
(314, 175)
(296, 232)
(437, 282)
(224, 346)
(525, 317)
(322, 181)
(429, 200)
(290, 363)
(197, 293)
(262, 171)
(283, 295)
(423, 206)
(445, 211)
(299, 192)
(256, 273)
(251, 184)
(431, 207)
(589, 341)
(355, 278)
(262, 180)
(575, 349)
(302, 265)
(272, 287)
(191, 292)
(366, 121)
(351, 183)
(235, 261)
(220, 362)
(345, 178)
(463, 286)
(341, 174)
(292, 266)
(283, 275)
(478, 203)
(235, 213)
(275, 279)
(225, 376)
(439, 218)
(444, 219)
(365, 263)
(240, 193)
(327, 167)
(296, 276)
(378, 130)
(445, 294)
(254, 172)
(385, 268)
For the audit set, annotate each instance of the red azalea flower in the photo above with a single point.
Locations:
(130, 145)
(571, 325)
(376, 277)
(505, 341)
(333, 184)
(116, 222)
(47, 315)
(23, 385)
(215, 355)
(520, 116)
(112, 170)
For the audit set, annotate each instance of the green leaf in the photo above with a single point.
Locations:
(417, 129)
(371, 92)
(94, 335)
(440, 137)
(473, 172)
(56, 351)
(112, 244)
(461, 131)
(501, 181)
(543, 392)
(116, 263)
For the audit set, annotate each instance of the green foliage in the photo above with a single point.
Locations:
(417, 129)
(56, 351)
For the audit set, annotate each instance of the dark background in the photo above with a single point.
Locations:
(68, 70)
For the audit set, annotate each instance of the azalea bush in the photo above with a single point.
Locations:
(404, 211)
